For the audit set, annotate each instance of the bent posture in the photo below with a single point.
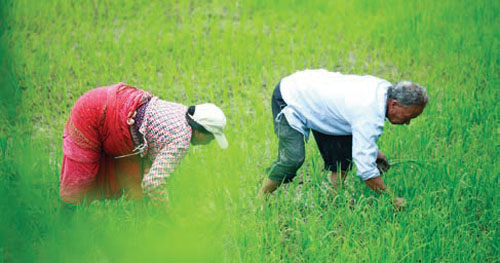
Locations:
(346, 114)
(122, 140)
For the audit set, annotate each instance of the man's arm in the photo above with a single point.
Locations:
(365, 153)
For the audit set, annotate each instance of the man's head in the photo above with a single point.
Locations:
(405, 101)
(207, 122)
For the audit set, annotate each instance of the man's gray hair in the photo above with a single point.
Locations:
(408, 93)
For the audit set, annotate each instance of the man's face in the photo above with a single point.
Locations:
(200, 138)
(399, 114)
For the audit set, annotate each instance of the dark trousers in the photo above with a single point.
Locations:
(291, 147)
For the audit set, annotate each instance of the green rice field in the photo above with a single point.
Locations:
(233, 53)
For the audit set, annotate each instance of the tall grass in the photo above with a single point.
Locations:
(233, 54)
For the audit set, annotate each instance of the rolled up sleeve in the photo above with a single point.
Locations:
(164, 164)
(365, 149)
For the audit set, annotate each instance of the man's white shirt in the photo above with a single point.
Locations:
(336, 104)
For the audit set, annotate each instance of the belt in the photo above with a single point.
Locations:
(137, 137)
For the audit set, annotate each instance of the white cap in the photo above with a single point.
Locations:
(213, 120)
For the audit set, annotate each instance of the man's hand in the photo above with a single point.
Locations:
(382, 163)
(377, 184)
(399, 203)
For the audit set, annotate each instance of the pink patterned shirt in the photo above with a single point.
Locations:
(166, 140)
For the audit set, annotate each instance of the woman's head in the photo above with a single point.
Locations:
(207, 122)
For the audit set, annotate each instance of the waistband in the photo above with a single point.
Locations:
(137, 137)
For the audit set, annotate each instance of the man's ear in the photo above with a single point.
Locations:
(393, 103)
